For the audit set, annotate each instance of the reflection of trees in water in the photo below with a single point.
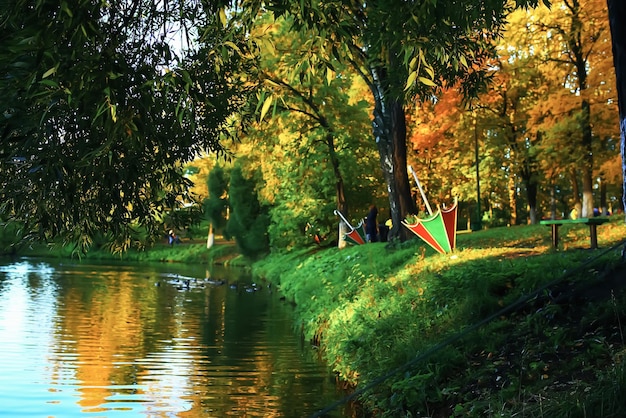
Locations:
(126, 342)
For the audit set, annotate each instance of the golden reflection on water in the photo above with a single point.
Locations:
(119, 340)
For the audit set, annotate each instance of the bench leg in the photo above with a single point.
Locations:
(555, 235)
(594, 236)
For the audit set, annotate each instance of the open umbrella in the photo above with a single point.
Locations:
(439, 230)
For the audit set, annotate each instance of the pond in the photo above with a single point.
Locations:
(158, 340)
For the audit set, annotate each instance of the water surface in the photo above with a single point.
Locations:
(151, 340)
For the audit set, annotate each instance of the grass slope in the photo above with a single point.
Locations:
(504, 326)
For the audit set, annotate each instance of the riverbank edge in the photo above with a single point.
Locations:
(223, 253)
(326, 284)
(359, 305)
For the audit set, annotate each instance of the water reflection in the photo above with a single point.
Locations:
(150, 340)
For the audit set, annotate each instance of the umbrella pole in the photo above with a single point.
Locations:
(343, 219)
(419, 186)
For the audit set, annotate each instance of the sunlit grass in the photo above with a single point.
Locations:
(375, 308)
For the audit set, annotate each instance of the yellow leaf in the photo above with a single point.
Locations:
(113, 113)
(232, 45)
(266, 106)
(223, 16)
(410, 80)
(330, 75)
(49, 72)
(430, 71)
(427, 81)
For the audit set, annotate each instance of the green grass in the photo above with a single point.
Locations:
(374, 309)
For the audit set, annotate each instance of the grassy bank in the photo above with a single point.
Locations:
(505, 326)
(188, 251)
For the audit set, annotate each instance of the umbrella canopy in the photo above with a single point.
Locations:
(438, 231)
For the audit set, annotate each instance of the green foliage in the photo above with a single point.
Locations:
(248, 220)
(11, 234)
(96, 116)
(315, 151)
(216, 204)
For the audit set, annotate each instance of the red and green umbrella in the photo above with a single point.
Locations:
(356, 235)
(438, 231)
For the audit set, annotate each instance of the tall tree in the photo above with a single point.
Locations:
(572, 38)
(617, 17)
(97, 116)
(316, 104)
(248, 221)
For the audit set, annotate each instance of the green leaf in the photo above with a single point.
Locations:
(232, 45)
(66, 9)
(49, 83)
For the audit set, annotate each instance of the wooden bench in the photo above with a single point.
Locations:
(592, 222)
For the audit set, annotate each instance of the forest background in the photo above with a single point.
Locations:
(112, 124)
(545, 133)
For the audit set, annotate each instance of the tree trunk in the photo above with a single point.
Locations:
(340, 194)
(343, 229)
(512, 198)
(617, 17)
(604, 207)
(575, 190)
(210, 240)
(587, 171)
(552, 199)
(531, 194)
(389, 129)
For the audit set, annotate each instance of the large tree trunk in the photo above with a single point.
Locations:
(389, 129)
(617, 17)
(580, 62)
(531, 195)
(340, 194)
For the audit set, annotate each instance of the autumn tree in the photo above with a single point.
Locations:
(400, 49)
(571, 40)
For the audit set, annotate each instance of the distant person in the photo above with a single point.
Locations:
(172, 238)
(371, 225)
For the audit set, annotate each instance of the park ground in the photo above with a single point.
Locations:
(504, 326)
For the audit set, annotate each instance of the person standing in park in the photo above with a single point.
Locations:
(371, 225)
